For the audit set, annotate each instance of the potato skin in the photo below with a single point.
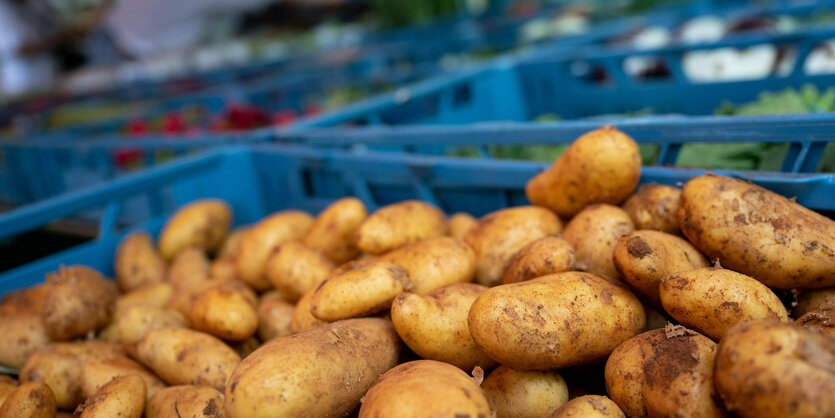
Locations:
(136, 321)
(645, 257)
(589, 406)
(517, 393)
(22, 329)
(324, 371)
(434, 325)
(232, 243)
(295, 269)
(542, 257)
(59, 370)
(501, 234)
(137, 262)
(593, 234)
(765, 368)
(399, 224)
(302, 320)
(7, 386)
(758, 233)
(260, 240)
(332, 233)
(80, 300)
(555, 321)
(403, 392)
(653, 207)
(435, 262)
(97, 372)
(601, 166)
(821, 321)
(200, 224)
(810, 300)
(712, 300)
(186, 401)
(226, 310)
(156, 295)
(460, 223)
(363, 290)
(274, 316)
(190, 268)
(123, 396)
(30, 400)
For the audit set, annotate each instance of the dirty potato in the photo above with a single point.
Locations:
(260, 240)
(821, 320)
(542, 257)
(136, 321)
(295, 269)
(593, 234)
(22, 329)
(435, 262)
(361, 291)
(190, 268)
(186, 401)
(202, 224)
(274, 316)
(80, 300)
(30, 400)
(332, 233)
(399, 224)
(97, 372)
(589, 406)
(809, 300)
(232, 242)
(460, 223)
(302, 320)
(653, 207)
(521, 394)
(225, 310)
(7, 386)
(137, 262)
(123, 396)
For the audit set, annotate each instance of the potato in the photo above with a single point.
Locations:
(821, 320)
(156, 295)
(542, 257)
(460, 223)
(223, 269)
(712, 300)
(226, 310)
(332, 233)
(186, 401)
(232, 242)
(274, 315)
(517, 393)
(559, 320)
(246, 347)
(765, 368)
(593, 233)
(589, 406)
(302, 320)
(190, 268)
(361, 291)
(123, 396)
(183, 356)
(137, 262)
(399, 224)
(601, 166)
(97, 372)
(201, 224)
(184, 298)
(403, 392)
(30, 400)
(758, 233)
(653, 207)
(664, 372)
(7, 386)
(643, 258)
(260, 240)
(60, 370)
(295, 269)
(434, 325)
(501, 234)
(80, 300)
(135, 322)
(435, 262)
(809, 300)
(21, 326)
(321, 372)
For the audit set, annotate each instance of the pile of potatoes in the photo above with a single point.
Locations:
(671, 304)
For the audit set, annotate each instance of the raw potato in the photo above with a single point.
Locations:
(7, 386)
(542, 257)
(302, 320)
(593, 233)
(186, 401)
(183, 356)
(201, 224)
(137, 262)
(123, 396)
(399, 224)
(758, 233)
(810, 300)
(520, 394)
(501, 234)
(664, 372)
(30, 400)
(361, 291)
(602, 166)
(403, 392)
(190, 268)
(654, 207)
(712, 300)
(135, 322)
(435, 262)
(332, 233)
(460, 223)
(821, 320)
(321, 372)
(233, 241)
(97, 372)
(226, 310)
(260, 240)
(295, 269)
(156, 295)
(645, 257)
(59, 370)
(766, 368)
(183, 299)
(246, 347)
(80, 300)
(274, 316)
(434, 325)
(21, 325)
(589, 406)
(223, 269)
(555, 321)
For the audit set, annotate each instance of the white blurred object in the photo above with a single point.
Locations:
(702, 29)
(821, 60)
(729, 64)
(535, 30)
(785, 24)
(570, 23)
(649, 38)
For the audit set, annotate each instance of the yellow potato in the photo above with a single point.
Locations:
(246, 347)
(223, 269)
(519, 394)
(123, 396)
(191, 267)
(295, 269)
(186, 401)
(232, 242)
(361, 291)
(645, 257)
(435, 262)
(135, 322)
(821, 321)
(654, 207)
(765, 368)
(332, 233)
(593, 233)
(80, 300)
(137, 262)
(260, 240)
(809, 300)
(560, 320)
(712, 300)
(434, 325)
(321, 372)
(57, 369)
(21, 325)
(589, 406)
(201, 224)
(302, 320)
(602, 166)
(156, 295)
(183, 356)
(460, 223)
(97, 372)
(399, 224)
(501, 234)
(7, 386)
(30, 400)
(225, 310)
(542, 257)
(274, 316)
(403, 392)
(758, 233)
